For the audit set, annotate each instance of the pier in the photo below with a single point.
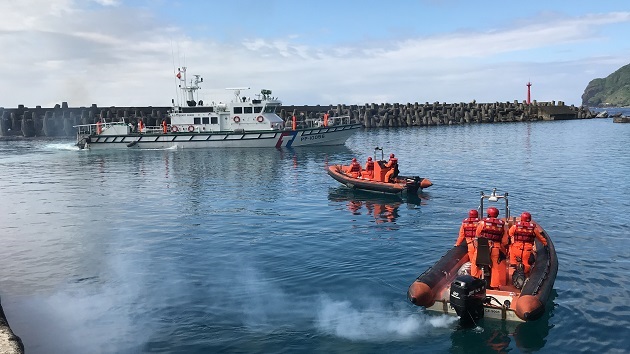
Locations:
(59, 120)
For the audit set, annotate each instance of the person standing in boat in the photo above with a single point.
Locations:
(493, 229)
(368, 173)
(392, 164)
(468, 232)
(355, 168)
(522, 236)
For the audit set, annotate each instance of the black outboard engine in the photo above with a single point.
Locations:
(467, 297)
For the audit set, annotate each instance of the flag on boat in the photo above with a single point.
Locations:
(179, 75)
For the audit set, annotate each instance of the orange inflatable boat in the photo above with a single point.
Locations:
(449, 287)
(378, 180)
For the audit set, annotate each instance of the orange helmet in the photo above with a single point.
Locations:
(526, 217)
(354, 159)
(391, 156)
(473, 214)
(369, 159)
(493, 212)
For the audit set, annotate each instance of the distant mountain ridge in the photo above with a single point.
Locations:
(614, 90)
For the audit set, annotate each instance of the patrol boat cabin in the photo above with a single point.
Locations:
(242, 114)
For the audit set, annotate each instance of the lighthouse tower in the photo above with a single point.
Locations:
(529, 93)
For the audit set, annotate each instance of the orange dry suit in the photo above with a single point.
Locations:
(355, 169)
(369, 170)
(467, 231)
(392, 164)
(494, 230)
(523, 235)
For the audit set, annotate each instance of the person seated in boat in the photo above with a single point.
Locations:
(522, 237)
(368, 173)
(392, 165)
(355, 168)
(468, 232)
(493, 229)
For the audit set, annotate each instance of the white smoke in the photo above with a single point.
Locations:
(375, 322)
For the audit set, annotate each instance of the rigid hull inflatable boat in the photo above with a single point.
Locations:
(448, 288)
(376, 178)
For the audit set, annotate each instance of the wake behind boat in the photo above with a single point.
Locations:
(378, 176)
(450, 287)
(244, 122)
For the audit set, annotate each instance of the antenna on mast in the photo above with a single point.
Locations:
(189, 91)
(237, 92)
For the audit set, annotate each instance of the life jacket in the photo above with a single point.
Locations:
(355, 167)
(524, 231)
(369, 166)
(392, 162)
(492, 229)
(470, 226)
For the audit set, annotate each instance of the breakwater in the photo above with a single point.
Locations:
(58, 121)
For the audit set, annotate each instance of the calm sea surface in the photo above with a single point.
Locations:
(260, 251)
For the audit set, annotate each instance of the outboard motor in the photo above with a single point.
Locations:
(467, 297)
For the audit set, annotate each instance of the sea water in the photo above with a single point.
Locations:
(260, 251)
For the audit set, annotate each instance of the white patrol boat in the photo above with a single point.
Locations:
(244, 122)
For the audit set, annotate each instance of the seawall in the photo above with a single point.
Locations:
(58, 121)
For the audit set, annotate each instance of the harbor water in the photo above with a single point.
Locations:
(260, 251)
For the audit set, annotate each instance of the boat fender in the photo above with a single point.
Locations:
(529, 307)
(260, 119)
(191, 128)
(174, 129)
(420, 294)
(237, 119)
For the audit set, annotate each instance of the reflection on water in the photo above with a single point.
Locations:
(382, 207)
(495, 336)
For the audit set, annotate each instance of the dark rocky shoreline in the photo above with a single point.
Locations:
(59, 120)
(9, 342)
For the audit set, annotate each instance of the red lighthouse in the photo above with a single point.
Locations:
(529, 93)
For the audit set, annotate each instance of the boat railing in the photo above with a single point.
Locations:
(319, 122)
(154, 129)
(96, 128)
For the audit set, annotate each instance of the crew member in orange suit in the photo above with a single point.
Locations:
(495, 231)
(369, 169)
(468, 232)
(522, 234)
(392, 164)
(355, 168)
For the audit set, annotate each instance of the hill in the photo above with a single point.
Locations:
(614, 90)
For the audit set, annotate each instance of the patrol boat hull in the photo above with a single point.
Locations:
(321, 136)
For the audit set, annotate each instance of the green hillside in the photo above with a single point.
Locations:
(613, 90)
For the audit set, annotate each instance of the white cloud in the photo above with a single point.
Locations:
(55, 51)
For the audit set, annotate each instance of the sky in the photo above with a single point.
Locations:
(127, 52)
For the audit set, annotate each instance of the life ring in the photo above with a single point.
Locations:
(191, 128)
(174, 129)
(260, 119)
(237, 119)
